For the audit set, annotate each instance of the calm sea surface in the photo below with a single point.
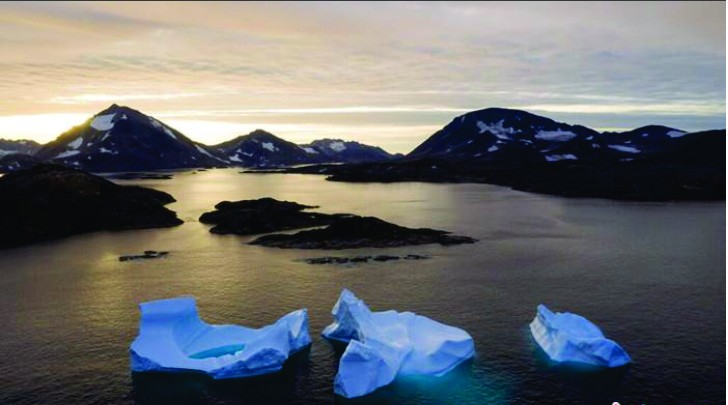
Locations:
(651, 275)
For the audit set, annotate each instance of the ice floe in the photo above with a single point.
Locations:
(570, 338)
(172, 338)
(384, 345)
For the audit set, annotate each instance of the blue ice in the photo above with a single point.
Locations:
(384, 345)
(570, 338)
(173, 338)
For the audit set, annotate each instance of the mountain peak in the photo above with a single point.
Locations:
(120, 138)
(115, 108)
(260, 133)
(655, 128)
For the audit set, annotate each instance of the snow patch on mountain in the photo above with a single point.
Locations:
(556, 158)
(337, 146)
(108, 151)
(558, 135)
(76, 143)
(203, 151)
(676, 134)
(310, 150)
(67, 153)
(493, 148)
(496, 129)
(103, 122)
(161, 126)
(269, 146)
(626, 149)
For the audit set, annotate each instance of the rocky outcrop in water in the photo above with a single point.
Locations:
(358, 232)
(148, 254)
(264, 215)
(361, 259)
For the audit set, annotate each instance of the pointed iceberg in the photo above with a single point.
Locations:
(384, 345)
(570, 338)
(173, 338)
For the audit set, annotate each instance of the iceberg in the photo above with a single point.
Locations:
(173, 338)
(384, 345)
(570, 338)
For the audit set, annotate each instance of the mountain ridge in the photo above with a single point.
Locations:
(120, 138)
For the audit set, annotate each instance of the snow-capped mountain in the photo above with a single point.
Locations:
(499, 134)
(261, 149)
(339, 151)
(536, 154)
(514, 137)
(23, 146)
(123, 139)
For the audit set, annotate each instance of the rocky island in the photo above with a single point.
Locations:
(264, 215)
(358, 232)
(52, 201)
(340, 231)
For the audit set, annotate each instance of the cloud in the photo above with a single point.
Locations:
(119, 98)
(399, 63)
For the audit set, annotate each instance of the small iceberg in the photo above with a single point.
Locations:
(173, 338)
(384, 345)
(567, 337)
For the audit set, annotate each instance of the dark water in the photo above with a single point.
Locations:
(652, 276)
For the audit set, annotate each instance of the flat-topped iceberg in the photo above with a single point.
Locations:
(384, 345)
(570, 338)
(173, 338)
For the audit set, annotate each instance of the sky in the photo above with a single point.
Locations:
(388, 74)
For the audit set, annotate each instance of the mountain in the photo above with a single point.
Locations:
(261, 149)
(123, 139)
(532, 153)
(23, 146)
(17, 161)
(503, 137)
(17, 154)
(507, 136)
(338, 151)
(53, 201)
(120, 139)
